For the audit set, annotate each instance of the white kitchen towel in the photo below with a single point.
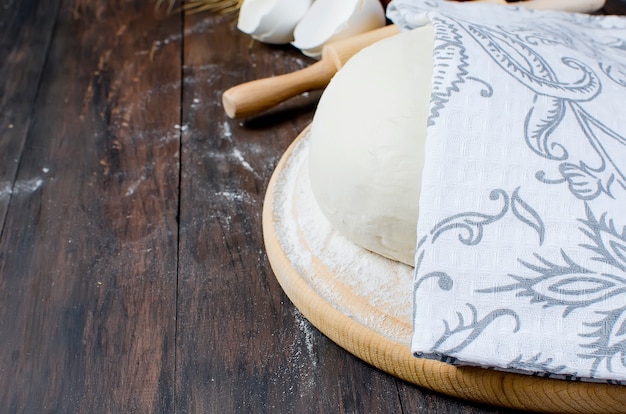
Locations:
(521, 258)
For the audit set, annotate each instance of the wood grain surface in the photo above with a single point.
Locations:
(133, 276)
(25, 33)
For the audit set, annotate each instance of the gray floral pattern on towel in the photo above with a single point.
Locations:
(560, 283)
(555, 272)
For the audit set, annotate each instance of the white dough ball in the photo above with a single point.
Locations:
(367, 144)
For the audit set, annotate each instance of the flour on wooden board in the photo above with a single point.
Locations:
(309, 240)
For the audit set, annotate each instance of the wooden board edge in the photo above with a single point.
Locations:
(480, 385)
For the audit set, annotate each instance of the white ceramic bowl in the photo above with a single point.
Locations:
(330, 20)
(272, 21)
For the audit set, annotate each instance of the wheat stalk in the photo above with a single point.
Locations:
(216, 6)
(197, 6)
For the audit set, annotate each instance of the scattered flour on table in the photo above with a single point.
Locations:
(198, 28)
(307, 329)
(201, 26)
(225, 131)
(259, 151)
(245, 164)
(132, 187)
(27, 186)
(5, 190)
(20, 187)
(303, 359)
(195, 105)
(231, 195)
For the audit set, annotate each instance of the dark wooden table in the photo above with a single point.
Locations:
(133, 276)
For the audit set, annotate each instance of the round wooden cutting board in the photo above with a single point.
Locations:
(363, 302)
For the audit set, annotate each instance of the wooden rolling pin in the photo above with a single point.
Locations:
(251, 98)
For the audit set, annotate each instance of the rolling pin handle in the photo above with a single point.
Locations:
(251, 98)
